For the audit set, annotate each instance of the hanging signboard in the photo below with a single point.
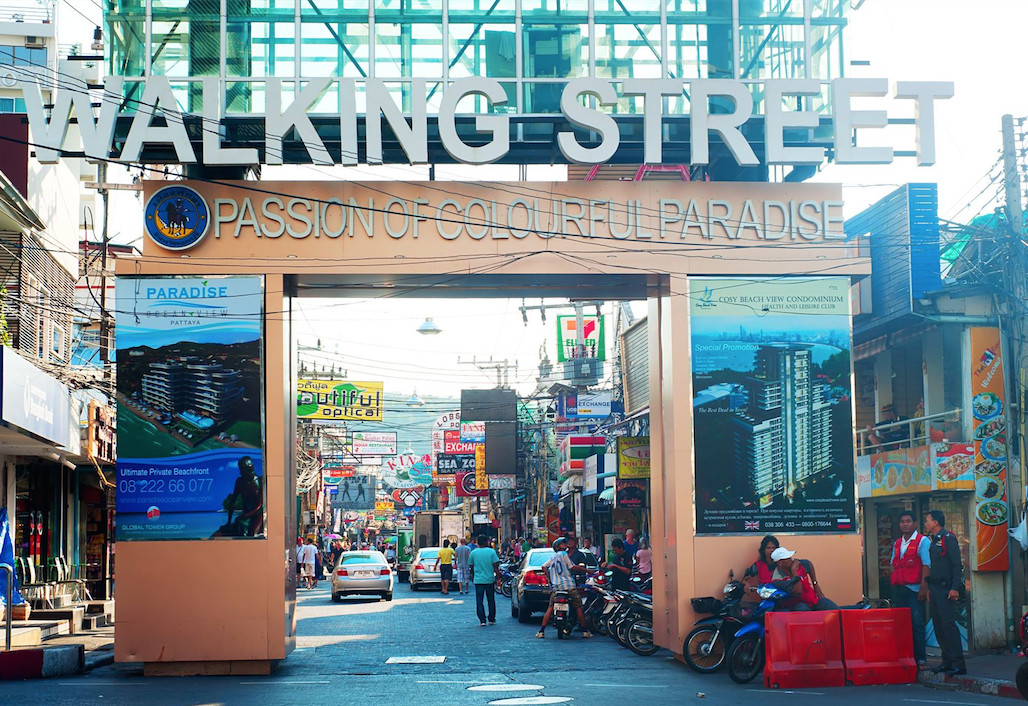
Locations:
(593, 338)
(190, 463)
(373, 443)
(452, 443)
(773, 429)
(339, 400)
(989, 414)
(466, 486)
(355, 494)
(630, 493)
(472, 432)
(633, 456)
(448, 465)
(481, 478)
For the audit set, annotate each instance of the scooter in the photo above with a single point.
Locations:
(507, 579)
(746, 655)
(706, 646)
(563, 618)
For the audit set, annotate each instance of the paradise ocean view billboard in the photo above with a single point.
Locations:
(772, 404)
(190, 408)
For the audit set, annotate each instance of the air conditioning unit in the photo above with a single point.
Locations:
(34, 42)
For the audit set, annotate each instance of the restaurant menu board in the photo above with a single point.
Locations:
(901, 471)
(990, 451)
(953, 466)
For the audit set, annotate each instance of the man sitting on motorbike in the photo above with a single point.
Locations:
(561, 572)
(790, 575)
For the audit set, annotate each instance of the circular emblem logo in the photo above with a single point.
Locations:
(177, 218)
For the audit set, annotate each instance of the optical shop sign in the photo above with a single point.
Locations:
(331, 216)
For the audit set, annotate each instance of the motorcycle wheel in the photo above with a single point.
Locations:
(701, 654)
(640, 637)
(745, 659)
(596, 625)
(505, 588)
(619, 631)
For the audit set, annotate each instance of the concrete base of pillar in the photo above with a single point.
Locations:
(249, 668)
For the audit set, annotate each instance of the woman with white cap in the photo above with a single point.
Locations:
(790, 575)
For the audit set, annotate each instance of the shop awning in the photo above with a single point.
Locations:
(569, 486)
(607, 495)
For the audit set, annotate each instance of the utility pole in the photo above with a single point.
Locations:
(502, 369)
(105, 331)
(1011, 324)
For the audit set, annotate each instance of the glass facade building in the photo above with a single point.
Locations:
(531, 46)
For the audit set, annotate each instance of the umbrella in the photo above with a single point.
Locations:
(333, 536)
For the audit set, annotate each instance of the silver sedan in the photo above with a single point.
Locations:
(362, 573)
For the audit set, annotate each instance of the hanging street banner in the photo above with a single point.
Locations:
(989, 423)
(481, 478)
(633, 456)
(772, 405)
(594, 340)
(340, 400)
(190, 463)
(373, 443)
(585, 405)
(356, 494)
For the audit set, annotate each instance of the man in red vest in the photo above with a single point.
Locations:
(911, 560)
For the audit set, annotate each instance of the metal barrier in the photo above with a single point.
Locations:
(8, 597)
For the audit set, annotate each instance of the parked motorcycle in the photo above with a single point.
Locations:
(745, 657)
(507, 575)
(1021, 676)
(706, 646)
(564, 618)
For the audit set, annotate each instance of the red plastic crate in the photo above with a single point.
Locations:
(803, 650)
(879, 646)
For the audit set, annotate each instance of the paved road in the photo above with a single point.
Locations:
(343, 648)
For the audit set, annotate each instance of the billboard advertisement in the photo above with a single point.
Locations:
(989, 415)
(449, 465)
(373, 443)
(466, 486)
(772, 406)
(633, 456)
(356, 494)
(593, 337)
(190, 424)
(341, 400)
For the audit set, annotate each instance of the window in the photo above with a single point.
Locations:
(12, 105)
(57, 344)
(22, 56)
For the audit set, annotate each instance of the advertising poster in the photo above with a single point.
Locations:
(340, 400)
(989, 415)
(630, 493)
(472, 432)
(190, 425)
(373, 443)
(452, 443)
(357, 494)
(407, 470)
(772, 405)
(593, 336)
(633, 457)
(953, 466)
(901, 471)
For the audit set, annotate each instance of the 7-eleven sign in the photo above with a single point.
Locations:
(594, 342)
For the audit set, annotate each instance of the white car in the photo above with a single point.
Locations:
(362, 573)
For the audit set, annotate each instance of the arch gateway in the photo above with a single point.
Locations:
(661, 241)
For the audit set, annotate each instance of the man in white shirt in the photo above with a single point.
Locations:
(305, 557)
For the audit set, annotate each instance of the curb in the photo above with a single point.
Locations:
(97, 659)
(42, 662)
(970, 684)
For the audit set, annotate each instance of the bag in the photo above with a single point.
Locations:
(1020, 533)
(707, 605)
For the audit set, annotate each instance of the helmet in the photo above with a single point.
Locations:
(245, 463)
(559, 541)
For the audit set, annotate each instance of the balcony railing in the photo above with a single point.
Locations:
(25, 13)
(918, 432)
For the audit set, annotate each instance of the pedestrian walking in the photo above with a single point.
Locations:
(485, 566)
(445, 566)
(911, 559)
(945, 579)
(307, 556)
(462, 554)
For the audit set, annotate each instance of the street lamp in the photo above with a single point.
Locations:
(429, 327)
(415, 401)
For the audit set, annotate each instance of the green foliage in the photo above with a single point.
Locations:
(5, 334)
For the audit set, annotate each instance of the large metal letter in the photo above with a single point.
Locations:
(589, 119)
(278, 122)
(924, 93)
(496, 125)
(847, 120)
(702, 122)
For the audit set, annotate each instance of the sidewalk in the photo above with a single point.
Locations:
(991, 674)
(62, 656)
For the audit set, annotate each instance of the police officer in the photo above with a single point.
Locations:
(944, 581)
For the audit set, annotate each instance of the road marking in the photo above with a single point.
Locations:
(441, 681)
(87, 682)
(507, 687)
(794, 693)
(417, 659)
(635, 686)
(276, 682)
(528, 700)
(936, 701)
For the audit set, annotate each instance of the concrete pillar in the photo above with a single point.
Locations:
(932, 371)
(883, 381)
